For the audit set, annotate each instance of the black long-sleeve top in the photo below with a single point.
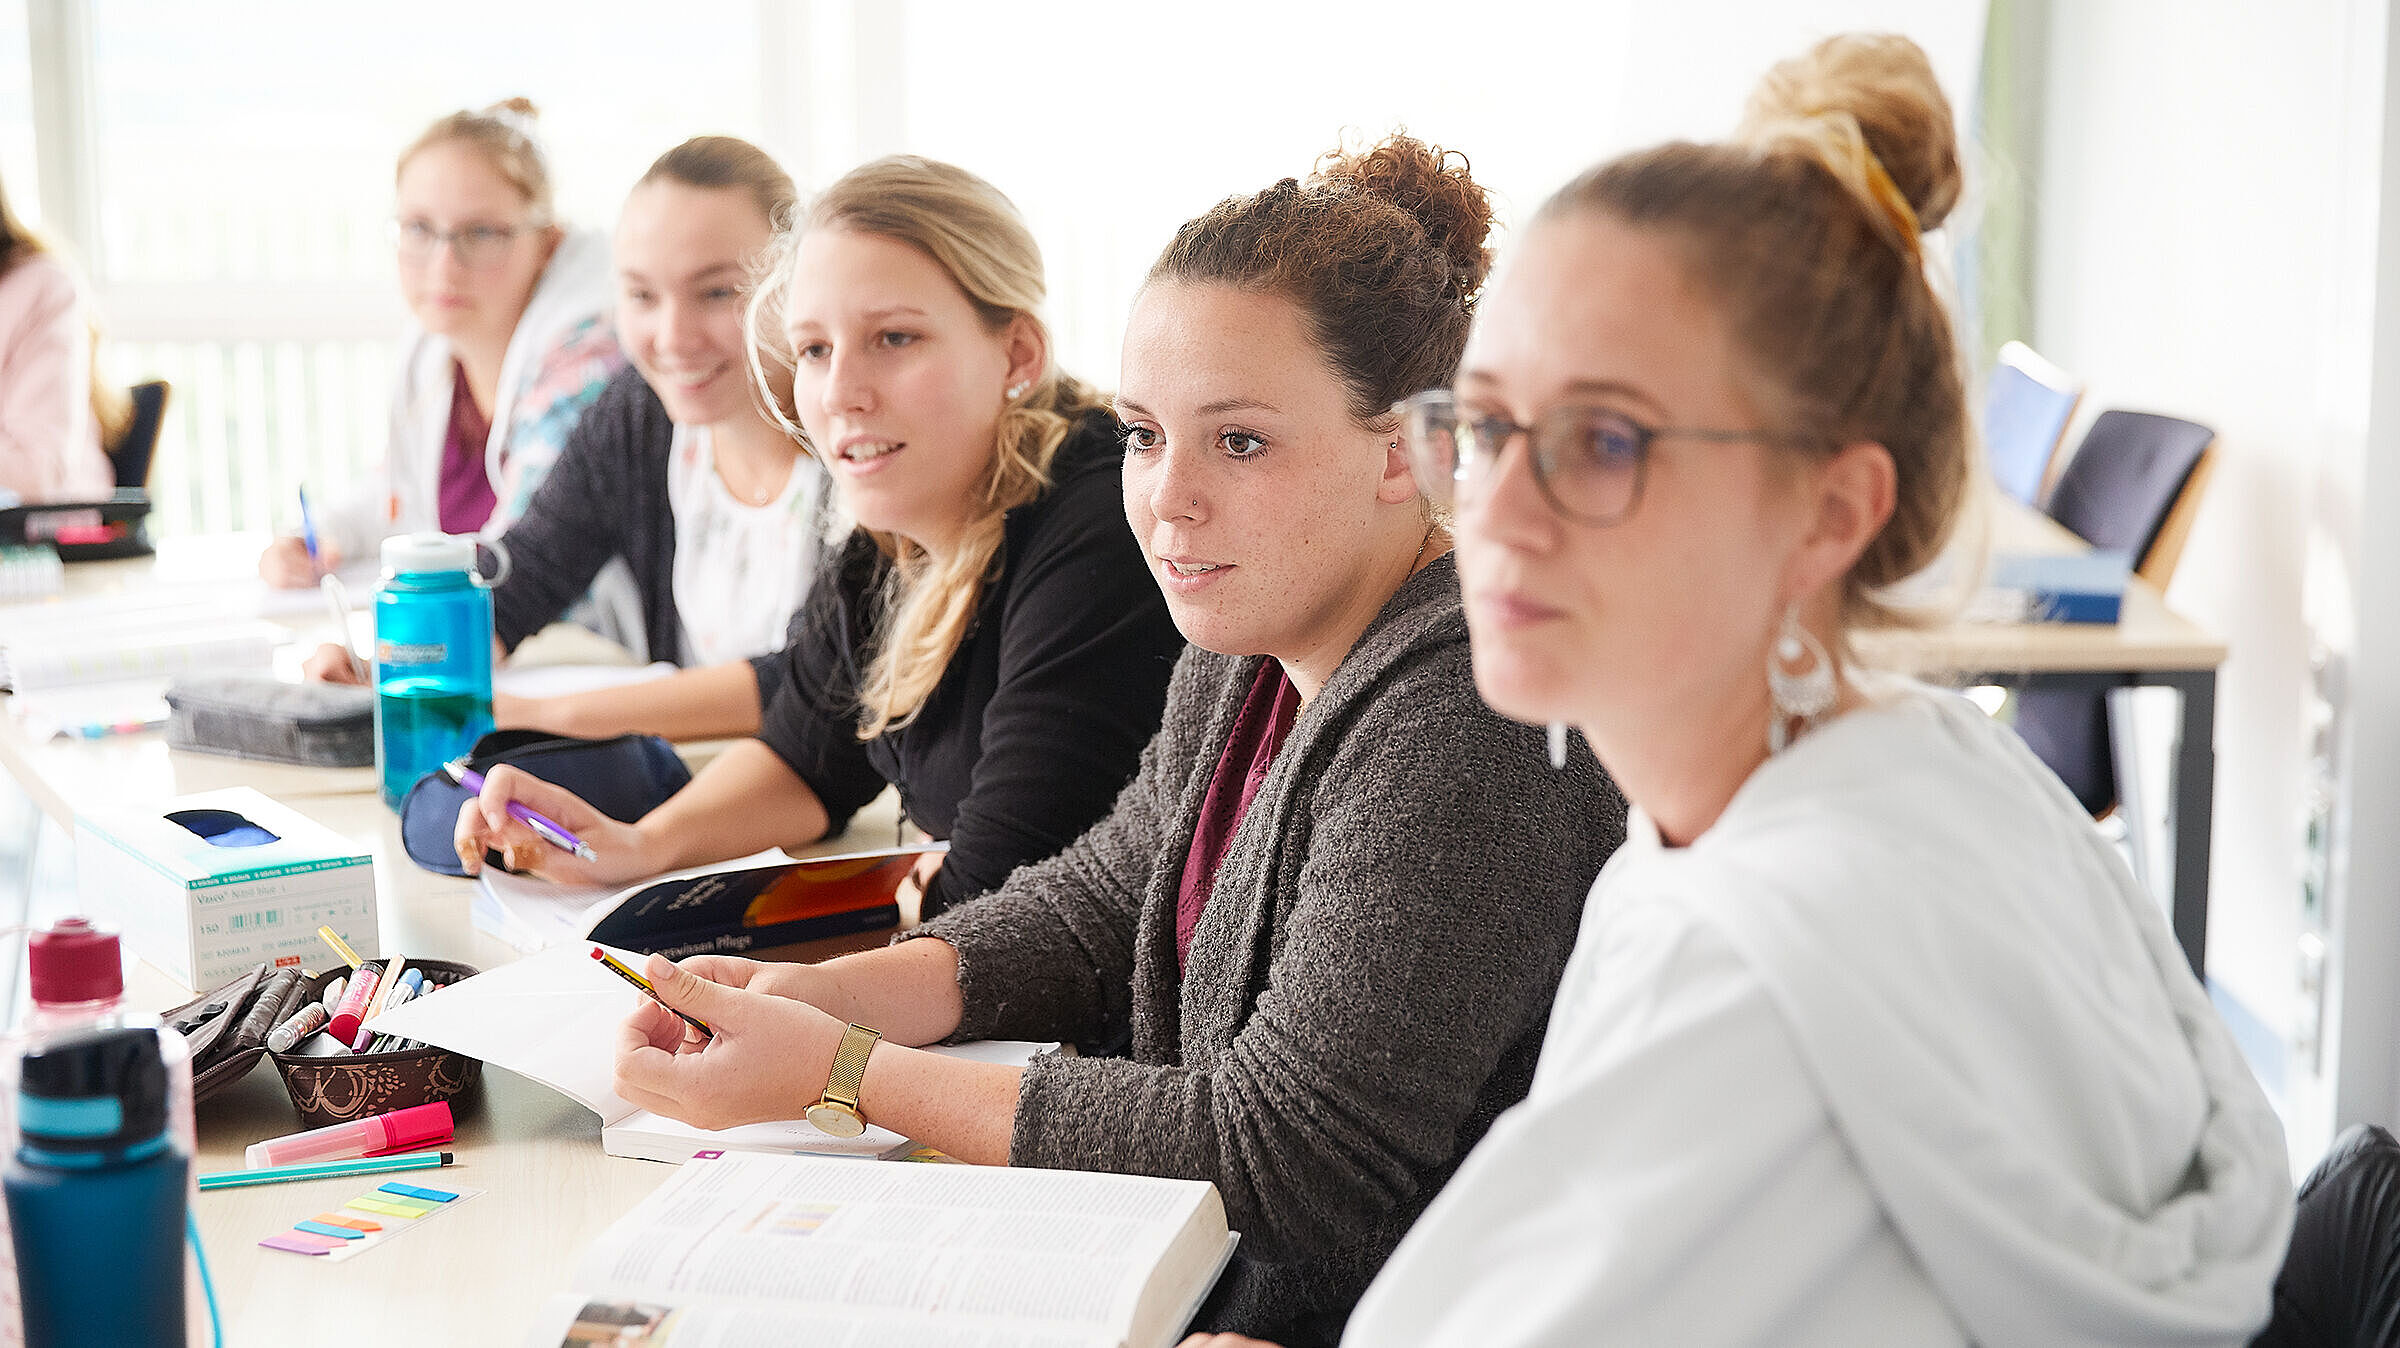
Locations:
(1043, 713)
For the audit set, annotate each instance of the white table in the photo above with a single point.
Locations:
(471, 1277)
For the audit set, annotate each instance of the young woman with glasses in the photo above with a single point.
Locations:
(985, 640)
(1868, 1037)
(1325, 920)
(511, 342)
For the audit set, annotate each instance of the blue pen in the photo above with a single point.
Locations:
(518, 810)
(308, 532)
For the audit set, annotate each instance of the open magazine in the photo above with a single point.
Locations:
(731, 908)
(554, 1017)
(789, 1250)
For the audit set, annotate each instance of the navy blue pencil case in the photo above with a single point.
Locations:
(624, 778)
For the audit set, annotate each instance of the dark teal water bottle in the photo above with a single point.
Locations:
(433, 658)
(96, 1189)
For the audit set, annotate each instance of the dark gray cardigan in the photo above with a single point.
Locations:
(1366, 991)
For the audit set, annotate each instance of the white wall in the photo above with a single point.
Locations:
(2205, 247)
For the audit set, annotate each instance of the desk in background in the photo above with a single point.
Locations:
(472, 1277)
(2150, 645)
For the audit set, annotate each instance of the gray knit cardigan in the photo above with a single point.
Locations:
(1366, 991)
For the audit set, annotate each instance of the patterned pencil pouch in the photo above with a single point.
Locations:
(318, 725)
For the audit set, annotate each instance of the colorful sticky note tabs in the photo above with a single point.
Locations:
(418, 1192)
(355, 1223)
(328, 1229)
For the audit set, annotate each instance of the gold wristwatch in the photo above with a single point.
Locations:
(836, 1112)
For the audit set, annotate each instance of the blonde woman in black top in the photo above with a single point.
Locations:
(989, 642)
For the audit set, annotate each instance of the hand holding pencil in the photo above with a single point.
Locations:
(547, 831)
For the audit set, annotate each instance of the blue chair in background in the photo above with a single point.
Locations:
(2025, 414)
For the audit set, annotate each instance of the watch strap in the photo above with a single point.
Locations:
(850, 1065)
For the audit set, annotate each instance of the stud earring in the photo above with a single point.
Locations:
(1800, 692)
(1016, 390)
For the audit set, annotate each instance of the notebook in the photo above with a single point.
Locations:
(730, 908)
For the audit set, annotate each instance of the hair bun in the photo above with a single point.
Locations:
(1883, 84)
(519, 107)
(1431, 184)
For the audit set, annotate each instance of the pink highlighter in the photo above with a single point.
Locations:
(400, 1130)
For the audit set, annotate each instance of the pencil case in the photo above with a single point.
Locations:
(105, 527)
(624, 778)
(337, 1088)
(255, 716)
(226, 1028)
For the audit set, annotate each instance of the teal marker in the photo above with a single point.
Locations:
(277, 1174)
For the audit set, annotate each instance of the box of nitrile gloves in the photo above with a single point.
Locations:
(206, 886)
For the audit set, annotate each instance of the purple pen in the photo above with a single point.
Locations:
(518, 810)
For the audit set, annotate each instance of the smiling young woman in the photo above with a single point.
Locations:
(680, 473)
(985, 639)
(1325, 920)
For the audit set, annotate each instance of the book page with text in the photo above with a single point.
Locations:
(1047, 1246)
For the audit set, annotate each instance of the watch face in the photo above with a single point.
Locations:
(835, 1120)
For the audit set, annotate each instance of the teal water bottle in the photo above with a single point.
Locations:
(97, 1185)
(433, 658)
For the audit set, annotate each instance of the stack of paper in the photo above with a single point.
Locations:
(151, 634)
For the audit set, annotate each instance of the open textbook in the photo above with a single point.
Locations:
(730, 908)
(554, 1017)
(777, 1250)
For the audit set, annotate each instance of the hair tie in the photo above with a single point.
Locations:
(1893, 202)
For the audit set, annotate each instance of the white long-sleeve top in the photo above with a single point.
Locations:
(1895, 1053)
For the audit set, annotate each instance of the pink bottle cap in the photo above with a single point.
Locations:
(76, 962)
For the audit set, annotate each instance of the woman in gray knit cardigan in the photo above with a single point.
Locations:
(1328, 916)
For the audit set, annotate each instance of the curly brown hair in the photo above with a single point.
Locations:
(1383, 249)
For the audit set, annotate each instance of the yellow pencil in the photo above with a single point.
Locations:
(618, 968)
(340, 947)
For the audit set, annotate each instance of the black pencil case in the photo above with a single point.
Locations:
(116, 525)
(318, 725)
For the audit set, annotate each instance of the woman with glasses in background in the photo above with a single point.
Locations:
(512, 342)
(1868, 1038)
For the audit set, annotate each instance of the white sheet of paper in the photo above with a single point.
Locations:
(554, 1017)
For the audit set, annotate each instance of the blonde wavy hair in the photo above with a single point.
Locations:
(974, 232)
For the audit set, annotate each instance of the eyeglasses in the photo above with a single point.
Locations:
(1587, 461)
(477, 247)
